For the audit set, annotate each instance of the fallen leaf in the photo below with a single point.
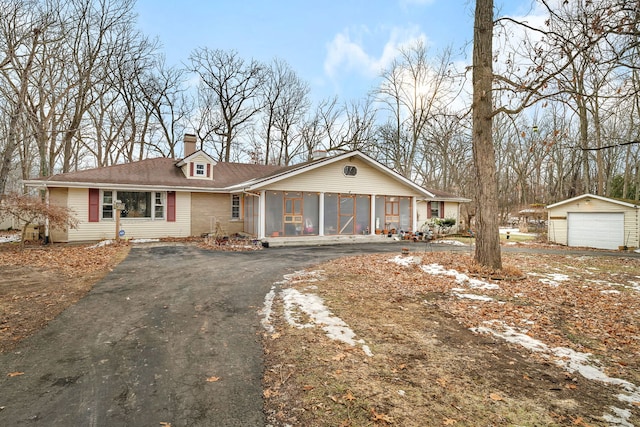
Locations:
(339, 357)
(571, 386)
(449, 422)
(442, 382)
(163, 424)
(213, 379)
(276, 335)
(496, 397)
(308, 387)
(381, 417)
(15, 374)
(349, 396)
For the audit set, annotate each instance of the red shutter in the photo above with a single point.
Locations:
(428, 210)
(171, 206)
(94, 205)
(208, 170)
(191, 169)
(441, 209)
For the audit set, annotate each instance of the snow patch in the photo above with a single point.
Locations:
(474, 297)
(461, 278)
(620, 417)
(406, 261)
(306, 310)
(551, 279)
(10, 238)
(451, 242)
(569, 359)
(267, 310)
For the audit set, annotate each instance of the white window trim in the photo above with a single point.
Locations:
(196, 165)
(114, 195)
(239, 217)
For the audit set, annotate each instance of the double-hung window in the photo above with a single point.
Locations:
(107, 204)
(159, 205)
(235, 206)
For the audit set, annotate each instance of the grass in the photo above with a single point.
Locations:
(428, 368)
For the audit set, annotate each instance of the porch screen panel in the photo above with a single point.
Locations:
(251, 215)
(347, 214)
(405, 214)
(363, 214)
(379, 225)
(293, 219)
(330, 213)
(311, 214)
(273, 216)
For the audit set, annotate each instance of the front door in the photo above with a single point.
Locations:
(347, 213)
(292, 214)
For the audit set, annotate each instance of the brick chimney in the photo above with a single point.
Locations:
(189, 144)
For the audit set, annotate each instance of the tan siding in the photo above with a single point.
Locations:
(557, 229)
(78, 200)
(330, 179)
(207, 208)
(450, 211)
(59, 197)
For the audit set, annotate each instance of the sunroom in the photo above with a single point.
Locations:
(301, 213)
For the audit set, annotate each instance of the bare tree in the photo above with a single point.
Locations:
(20, 39)
(32, 210)
(415, 89)
(285, 103)
(236, 85)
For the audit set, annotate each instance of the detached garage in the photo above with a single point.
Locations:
(593, 221)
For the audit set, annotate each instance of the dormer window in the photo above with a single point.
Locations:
(200, 170)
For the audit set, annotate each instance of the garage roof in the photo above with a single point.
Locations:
(593, 196)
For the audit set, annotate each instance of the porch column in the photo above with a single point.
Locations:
(321, 214)
(372, 219)
(414, 214)
(262, 215)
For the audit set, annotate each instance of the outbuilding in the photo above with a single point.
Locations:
(594, 221)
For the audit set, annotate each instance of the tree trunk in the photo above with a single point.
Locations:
(488, 238)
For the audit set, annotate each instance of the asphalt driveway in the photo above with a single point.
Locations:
(171, 336)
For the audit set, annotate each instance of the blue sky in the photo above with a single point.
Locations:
(337, 46)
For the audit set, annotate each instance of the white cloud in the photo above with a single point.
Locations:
(349, 52)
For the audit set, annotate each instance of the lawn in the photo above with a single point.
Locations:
(426, 339)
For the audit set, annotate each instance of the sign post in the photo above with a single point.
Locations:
(118, 206)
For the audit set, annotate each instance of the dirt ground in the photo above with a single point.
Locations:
(426, 367)
(37, 283)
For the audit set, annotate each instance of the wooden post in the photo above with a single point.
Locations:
(118, 207)
(117, 224)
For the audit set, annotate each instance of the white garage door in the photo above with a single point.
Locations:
(603, 230)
